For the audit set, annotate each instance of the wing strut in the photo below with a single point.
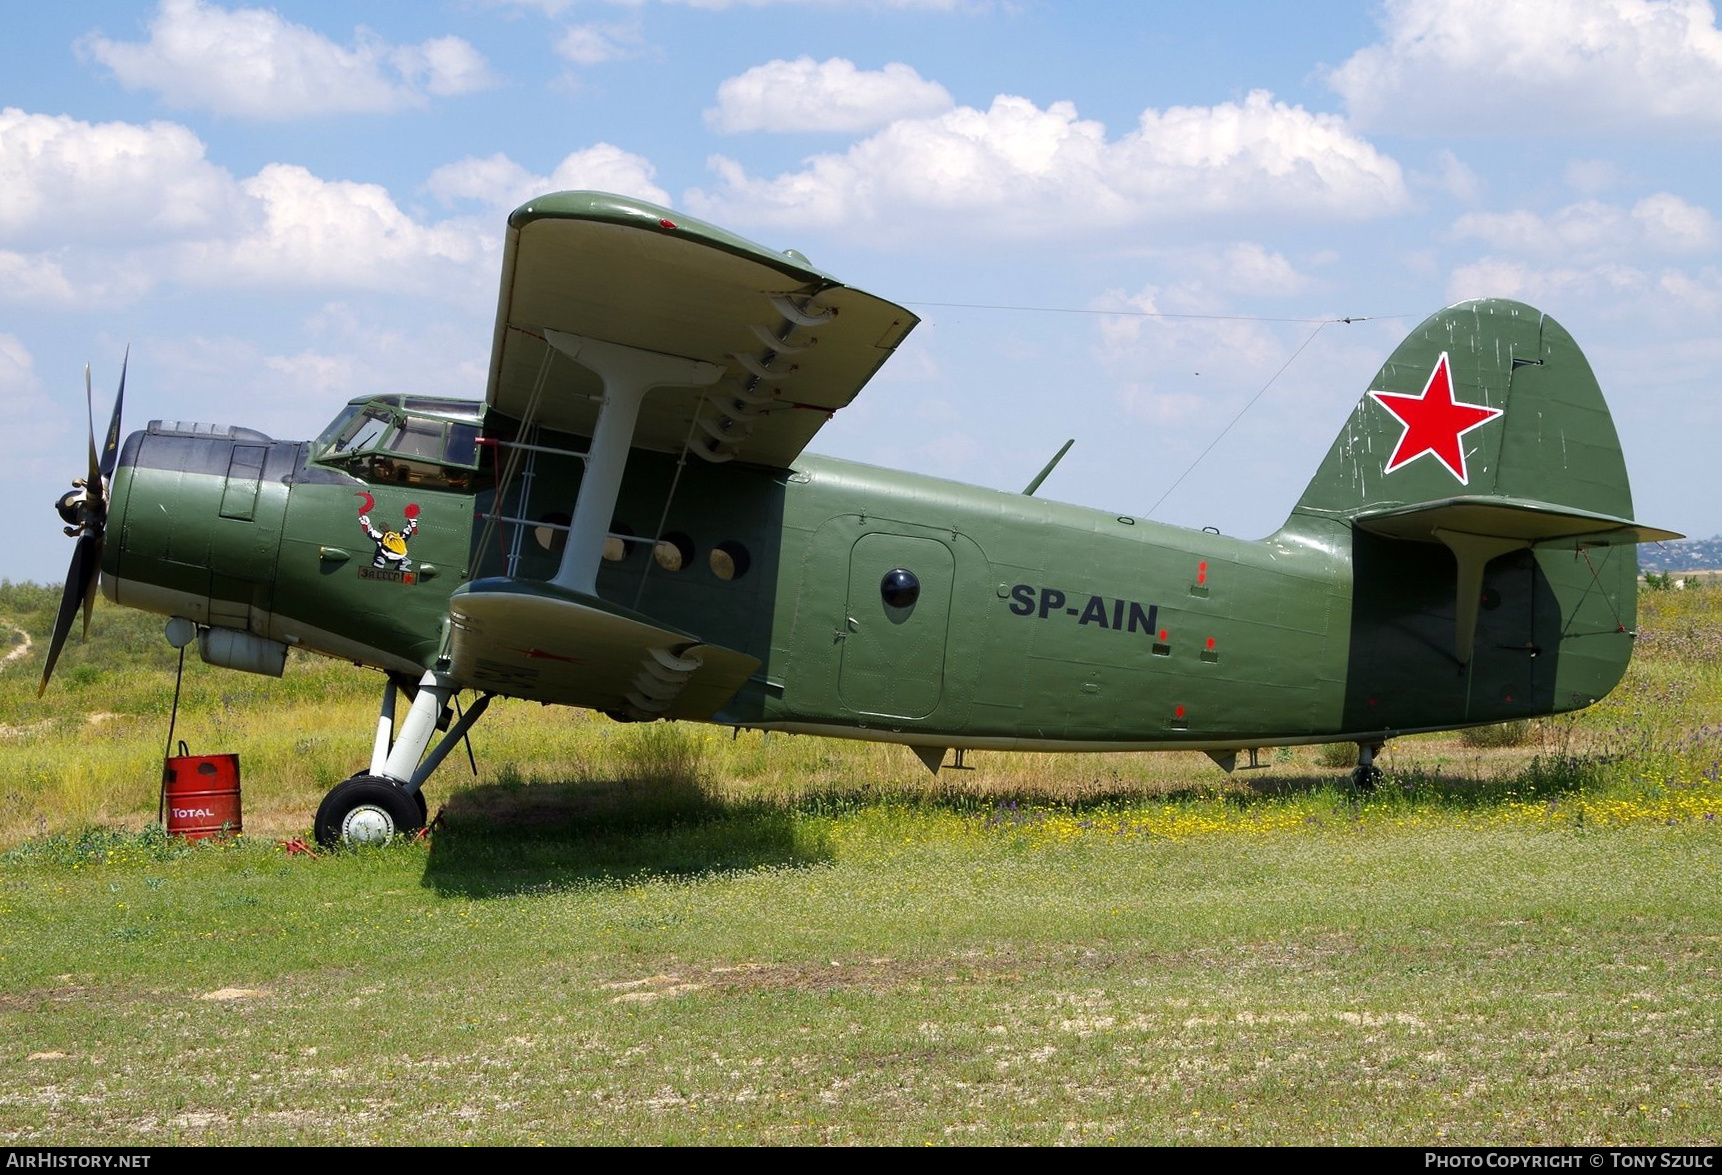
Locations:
(628, 374)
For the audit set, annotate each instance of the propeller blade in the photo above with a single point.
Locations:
(89, 515)
(94, 482)
(91, 578)
(80, 586)
(111, 447)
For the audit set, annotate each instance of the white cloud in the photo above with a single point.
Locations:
(557, 7)
(1453, 177)
(1592, 230)
(1611, 283)
(501, 183)
(1671, 225)
(831, 95)
(251, 63)
(75, 279)
(1591, 176)
(34, 428)
(594, 44)
(67, 180)
(444, 66)
(334, 232)
(1549, 67)
(34, 281)
(1247, 268)
(101, 213)
(1017, 170)
(291, 389)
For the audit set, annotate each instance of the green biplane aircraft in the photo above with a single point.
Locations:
(628, 523)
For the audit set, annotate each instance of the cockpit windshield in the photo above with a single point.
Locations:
(412, 440)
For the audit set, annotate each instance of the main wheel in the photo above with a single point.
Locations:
(367, 810)
(1365, 778)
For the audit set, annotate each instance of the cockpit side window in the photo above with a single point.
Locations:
(366, 430)
(382, 443)
(418, 437)
(462, 444)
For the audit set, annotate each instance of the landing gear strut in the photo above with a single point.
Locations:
(1366, 774)
(386, 801)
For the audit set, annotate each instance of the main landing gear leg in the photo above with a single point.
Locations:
(387, 801)
(1367, 774)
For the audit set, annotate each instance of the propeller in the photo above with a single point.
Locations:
(84, 508)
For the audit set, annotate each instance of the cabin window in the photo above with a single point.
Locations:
(729, 560)
(617, 548)
(674, 551)
(551, 533)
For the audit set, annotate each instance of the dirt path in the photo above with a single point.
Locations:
(22, 650)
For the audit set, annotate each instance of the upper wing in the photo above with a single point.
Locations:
(796, 345)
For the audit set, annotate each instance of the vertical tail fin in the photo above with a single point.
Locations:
(1484, 433)
(1488, 399)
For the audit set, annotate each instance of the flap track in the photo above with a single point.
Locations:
(661, 678)
(738, 409)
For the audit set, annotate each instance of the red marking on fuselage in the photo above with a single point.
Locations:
(543, 655)
(1202, 572)
(1178, 713)
(1210, 642)
(1162, 636)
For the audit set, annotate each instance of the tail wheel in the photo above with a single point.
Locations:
(367, 810)
(1365, 778)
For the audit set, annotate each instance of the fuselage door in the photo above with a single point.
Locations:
(899, 605)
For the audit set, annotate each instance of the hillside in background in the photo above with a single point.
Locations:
(1685, 555)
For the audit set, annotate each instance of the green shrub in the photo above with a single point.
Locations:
(1503, 734)
(1337, 755)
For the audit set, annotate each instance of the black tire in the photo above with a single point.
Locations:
(424, 807)
(367, 810)
(1365, 778)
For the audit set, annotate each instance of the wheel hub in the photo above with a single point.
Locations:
(367, 825)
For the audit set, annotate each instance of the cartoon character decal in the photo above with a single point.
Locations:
(391, 544)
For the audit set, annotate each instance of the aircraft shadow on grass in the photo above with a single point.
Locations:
(502, 839)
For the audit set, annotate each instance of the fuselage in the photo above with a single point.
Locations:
(1033, 624)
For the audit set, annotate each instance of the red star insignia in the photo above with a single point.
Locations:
(1434, 422)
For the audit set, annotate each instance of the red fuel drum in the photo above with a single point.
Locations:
(202, 793)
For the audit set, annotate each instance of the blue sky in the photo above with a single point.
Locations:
(282, 208)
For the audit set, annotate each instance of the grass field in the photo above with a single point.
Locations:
(663, 934)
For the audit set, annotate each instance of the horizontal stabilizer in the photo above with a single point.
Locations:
(1479, 528)
(1528, 522)
(537, 641)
